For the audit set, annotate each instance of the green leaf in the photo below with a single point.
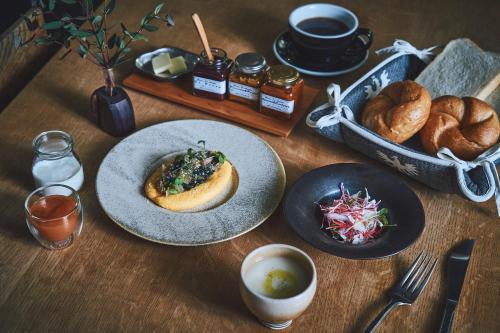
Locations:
(138, 36)
(52, 5)
(178, 181)
(69, 2)
(126, 50)
(42, 41)
(84, 49)
(150, 28)
(221, 157)
(81, 53)
(99, 57)
(122, 43)
(81, 33)
(100, 37)
(96, 19)
(53, 25)
(158, 8)
(70, 27)
(109, 7)
(124, 29)
(112, 41)
(172, 191)
(383, 216)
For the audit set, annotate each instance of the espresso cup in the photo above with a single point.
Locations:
(325, 32)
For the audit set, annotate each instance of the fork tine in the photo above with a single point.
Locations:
(410, 270)
(417, 273)
(417, 276)
(417, 290)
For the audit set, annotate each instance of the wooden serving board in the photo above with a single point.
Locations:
(180, 92)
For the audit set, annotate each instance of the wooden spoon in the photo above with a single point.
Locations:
(203, 36)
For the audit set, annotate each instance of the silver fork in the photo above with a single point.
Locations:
(408, 288)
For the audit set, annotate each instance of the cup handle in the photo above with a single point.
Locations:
(359, 44)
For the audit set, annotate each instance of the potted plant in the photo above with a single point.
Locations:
(89, 35)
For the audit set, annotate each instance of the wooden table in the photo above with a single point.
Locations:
(112, 281)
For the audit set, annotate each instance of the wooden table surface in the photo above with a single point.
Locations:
(113, 281)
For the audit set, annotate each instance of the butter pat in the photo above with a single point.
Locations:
(162, 63)
(178, 65)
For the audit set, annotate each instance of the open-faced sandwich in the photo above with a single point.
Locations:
(193, 181)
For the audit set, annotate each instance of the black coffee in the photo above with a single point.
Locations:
(323, 26)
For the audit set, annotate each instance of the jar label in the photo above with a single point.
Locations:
(275, 103)
(244, 91)
(213, 86)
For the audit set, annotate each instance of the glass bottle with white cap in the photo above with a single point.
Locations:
(55, 161)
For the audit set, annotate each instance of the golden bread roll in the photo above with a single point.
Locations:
(398, 112)
(467, 126)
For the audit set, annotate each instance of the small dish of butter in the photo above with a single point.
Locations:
(167, 63)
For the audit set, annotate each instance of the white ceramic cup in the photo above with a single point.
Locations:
(278, 313)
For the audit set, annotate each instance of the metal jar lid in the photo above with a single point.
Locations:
(250, 63)
(283, 75)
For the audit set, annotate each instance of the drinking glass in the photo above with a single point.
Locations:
(54, 215)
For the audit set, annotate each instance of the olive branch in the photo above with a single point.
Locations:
(94, 39)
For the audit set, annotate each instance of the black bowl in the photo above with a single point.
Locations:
(322, 184)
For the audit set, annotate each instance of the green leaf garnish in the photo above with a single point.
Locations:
(220, 156)
(383, 216)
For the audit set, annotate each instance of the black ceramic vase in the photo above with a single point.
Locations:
(111, 108)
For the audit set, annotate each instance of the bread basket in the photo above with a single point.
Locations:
(339, 120)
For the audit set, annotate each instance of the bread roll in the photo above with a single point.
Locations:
(398, 112)
(467, 126)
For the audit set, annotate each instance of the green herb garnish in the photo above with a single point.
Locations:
(189, 170)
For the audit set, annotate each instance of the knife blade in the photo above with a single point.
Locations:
(458, 262)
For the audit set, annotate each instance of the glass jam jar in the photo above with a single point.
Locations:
(55, 161)
(246, 78)
(210, 78)
(280, 95)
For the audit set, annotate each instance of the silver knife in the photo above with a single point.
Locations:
(457, 267)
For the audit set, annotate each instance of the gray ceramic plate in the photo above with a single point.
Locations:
(123, 171)
(144, 65)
